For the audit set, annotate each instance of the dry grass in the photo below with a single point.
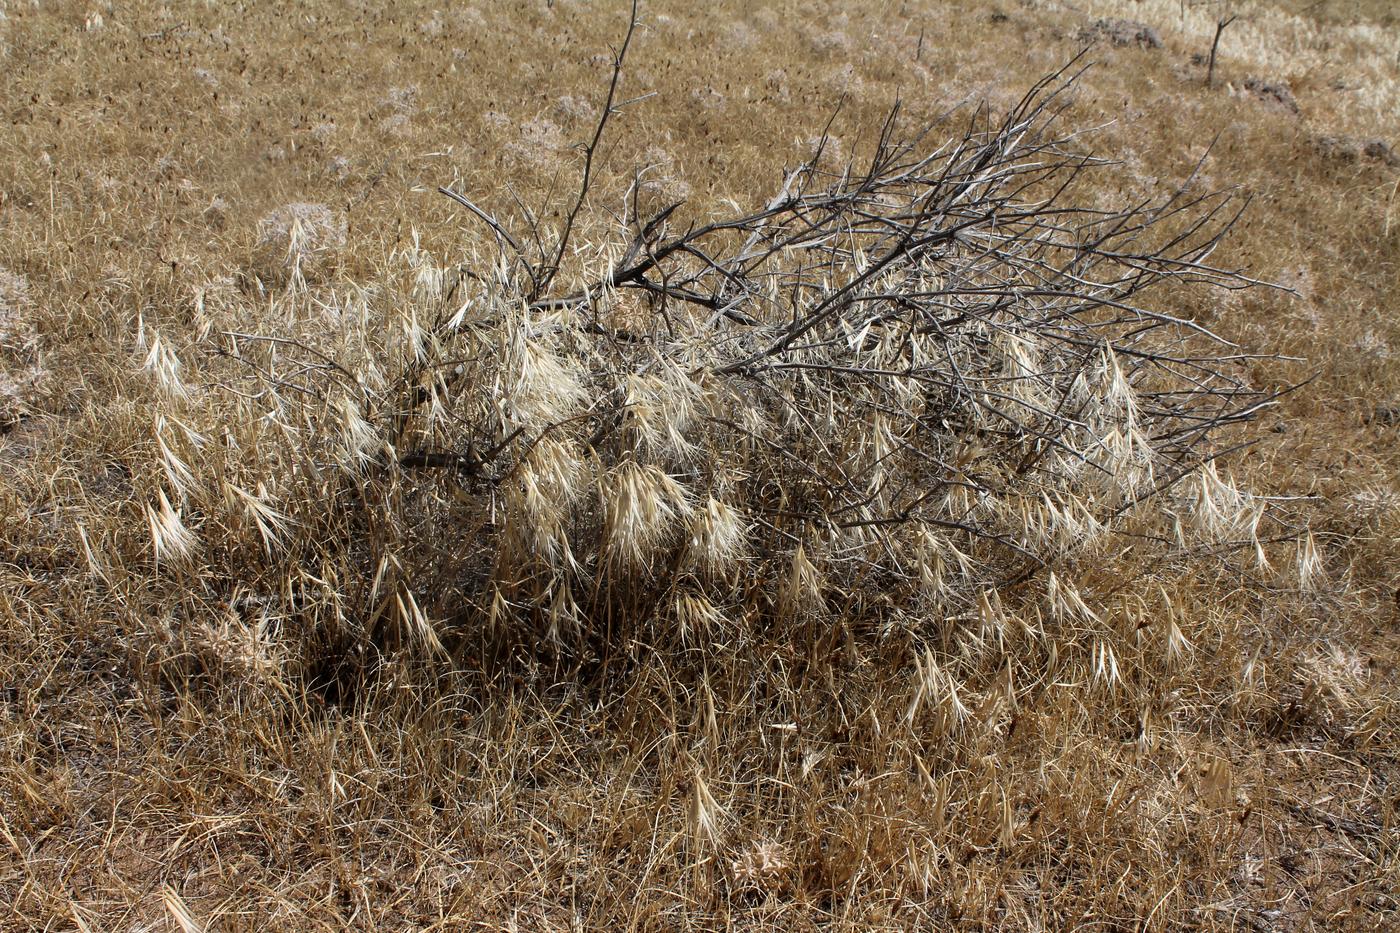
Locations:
(220, 715)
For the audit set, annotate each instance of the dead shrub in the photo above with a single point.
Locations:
(1275, 93)
(904, 382)
(1352, 149)
(1122, 32)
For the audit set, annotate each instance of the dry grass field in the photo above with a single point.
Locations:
(662, 647)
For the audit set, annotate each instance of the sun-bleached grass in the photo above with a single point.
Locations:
(1190, 726)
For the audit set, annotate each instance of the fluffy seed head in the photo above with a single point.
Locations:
(537, 387)
(717, 539)
(802, 588)
(1308, 565)
(165, 366)
(550, 482)
(641, 504)
(171, 539)
(696, 615)
(706, 815)
(357, 441)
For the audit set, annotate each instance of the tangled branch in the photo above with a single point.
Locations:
(900, 382)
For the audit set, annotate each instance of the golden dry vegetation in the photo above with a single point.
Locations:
(254, 679)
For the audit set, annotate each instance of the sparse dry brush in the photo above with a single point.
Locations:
(866, 557)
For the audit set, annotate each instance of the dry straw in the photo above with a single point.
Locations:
(863, 554)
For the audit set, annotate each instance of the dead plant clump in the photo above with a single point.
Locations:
(912, 389)
(1122, 32)
(1348, 149)
(868, 557)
